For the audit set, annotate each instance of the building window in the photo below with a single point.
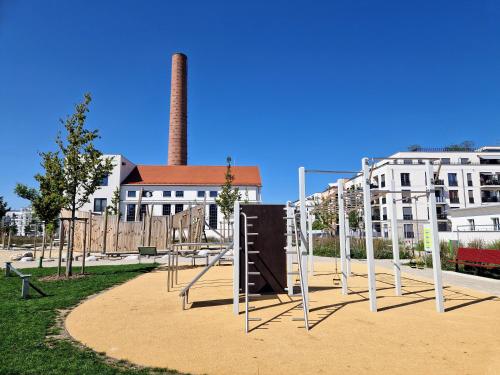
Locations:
(445, 161)
(469, 179)
(454, 196)
(452, 179)
(166, 210)
(179, 194)
(464, 160)
(147, 194)
(167, 193)
(179, 208)
(443, 226)
(201, 194)
(408, 230)
(472, 225)
(100, 204)
(144, 210)
(212, 216)
(131, 194)
(496, 223)
(130, 212)
(471, 196)
(384, 200)
(382, 180)
(405, 179)
(104, 181)
(213, 194)
(407, 161)
(406, 196)
(407, 214)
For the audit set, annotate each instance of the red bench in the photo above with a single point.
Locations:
(480, 258)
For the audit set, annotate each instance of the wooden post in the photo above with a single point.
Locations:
(61, 245)
(34, 240)
(84, 246)
(150, 224)
(25, 291)
(44, 238)
(90, 230)
(68, 248)
(105, 232)
(138, 208)
(117, 231)
(8, 239)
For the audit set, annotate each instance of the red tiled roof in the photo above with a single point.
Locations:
(191, 175)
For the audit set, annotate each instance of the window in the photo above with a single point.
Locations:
(471, 196)
(384, 213)
(469, 179)
(167, 193)
(382, 180)
(454, 196)
(104, 181)
(213, 194)
(166, 210)
(407, 214)
(147, 194)
(452, 179)
(130, 212)
(384, 200)
(212, 216)
(408, 230)
(179, 208)
(131, 193)
(179, 194)
(445, 161)
(405, 179)
(386, 231)
(407, 161)
(405, 196)
(144, 210)
(464, 160)
(100, 204)
(201, 194)
(443, 226)
(496, 223)
(472, 225)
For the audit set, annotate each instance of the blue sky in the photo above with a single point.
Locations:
(277, 84)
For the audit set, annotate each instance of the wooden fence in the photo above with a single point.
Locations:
(108, 234)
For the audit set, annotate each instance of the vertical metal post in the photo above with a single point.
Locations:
(395, 238)
(348, 249)
(372, 287)
(245, 229)
(7, 269)
(289, 213)
(236, 258)
(25, 291)
(436, 256)
(303, 230)
(310, 242)
(342, 239)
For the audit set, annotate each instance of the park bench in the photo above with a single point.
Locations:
(479, 258)
(149, 251)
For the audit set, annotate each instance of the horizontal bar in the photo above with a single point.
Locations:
(327, 171)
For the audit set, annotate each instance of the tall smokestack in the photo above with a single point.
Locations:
(177, 137)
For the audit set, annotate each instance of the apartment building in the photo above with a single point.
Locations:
(21, 219)
(463, 179)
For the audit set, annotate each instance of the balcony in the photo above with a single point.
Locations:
(440, 199)
(408, 217)
(441, 216)
(455, 200)
(490, 181)
(439, 182)
(376, 217)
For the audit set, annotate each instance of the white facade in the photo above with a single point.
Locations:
(475, 223)
(160, 199)
(21, 218)
(466, 179)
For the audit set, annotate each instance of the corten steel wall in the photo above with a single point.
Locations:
(270, 241)
(177, 139)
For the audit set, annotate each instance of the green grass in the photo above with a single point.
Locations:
(25, 324)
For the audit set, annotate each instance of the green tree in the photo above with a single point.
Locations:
(228, 194)
(84, 166)
(114, 207)
(463, 146)
(325, 214)
(414, 148)
(4, 208)
(354, 220)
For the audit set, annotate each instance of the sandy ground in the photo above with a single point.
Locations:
(141, 322)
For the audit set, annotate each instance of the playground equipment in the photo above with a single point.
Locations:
(261, 267)
(26, 283)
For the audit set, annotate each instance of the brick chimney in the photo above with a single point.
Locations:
(177, 137)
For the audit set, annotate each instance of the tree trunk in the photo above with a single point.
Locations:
(69, 261)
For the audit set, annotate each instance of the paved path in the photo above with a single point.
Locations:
(481, 284)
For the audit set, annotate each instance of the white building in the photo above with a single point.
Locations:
(463, 179)
(168, 189)
(472, 223)
(21, 218)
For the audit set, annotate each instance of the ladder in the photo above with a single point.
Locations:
(248, 273)
(301, 272)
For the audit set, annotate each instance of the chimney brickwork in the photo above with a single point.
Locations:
(177, 138)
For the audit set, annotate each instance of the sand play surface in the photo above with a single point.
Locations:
(141, 322)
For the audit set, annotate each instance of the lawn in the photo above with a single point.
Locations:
(25, 324)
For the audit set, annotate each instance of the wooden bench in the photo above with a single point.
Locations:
(479, 258)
